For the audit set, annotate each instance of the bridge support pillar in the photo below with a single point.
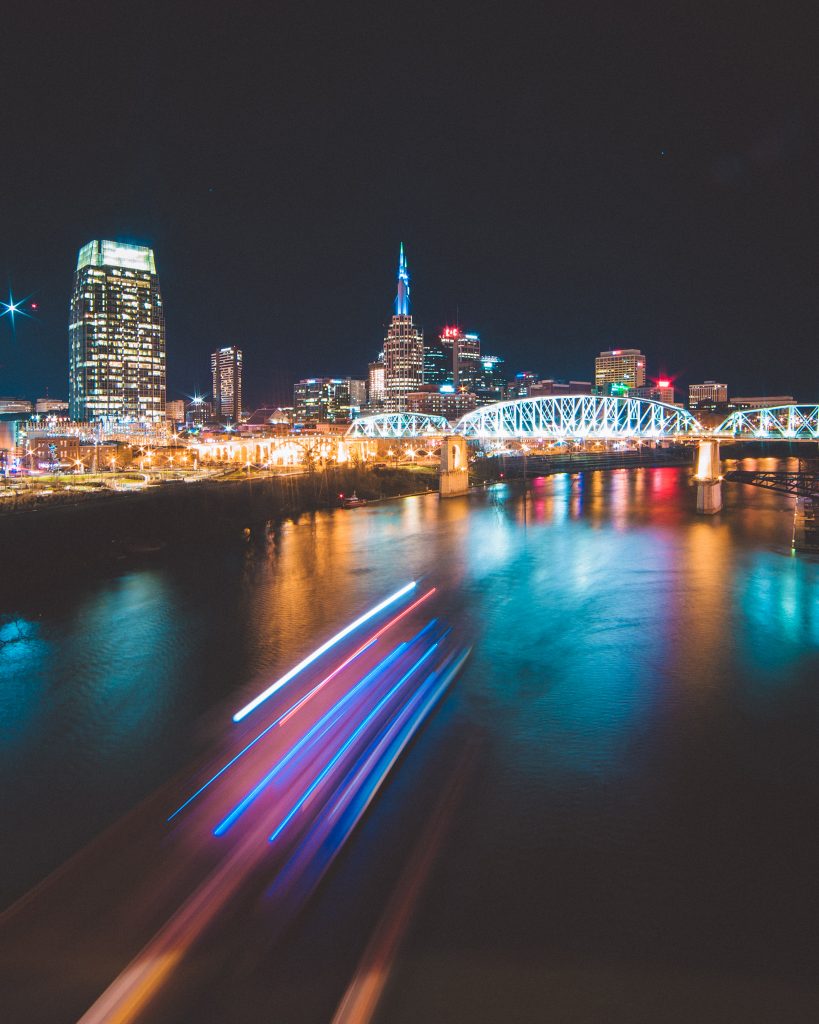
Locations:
(454, 479)
(709, 481)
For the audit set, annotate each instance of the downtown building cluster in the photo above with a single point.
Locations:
(118, 385)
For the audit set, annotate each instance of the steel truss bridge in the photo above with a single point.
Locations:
(399, 424)
(595, 417)
(779, 423)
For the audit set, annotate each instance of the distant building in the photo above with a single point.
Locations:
(709, 393)
(198, 412)
(52, 452)
(175, 411)
(44, 406)
(403, 348)
(763, 402)
(444, 401)
(271, 419)
(622, 366)
(661, 391)
(464, 354)
(519, 387)
(437, 363)
(116, 335)
(226, 368)
(542, 388)
(16, 405)
(326, 399)
(375, 383)
(358, 395)
(491, 383)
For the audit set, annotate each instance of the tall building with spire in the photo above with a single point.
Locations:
(403, 347)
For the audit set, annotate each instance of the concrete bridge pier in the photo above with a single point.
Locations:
(454, 477)
(709, 481)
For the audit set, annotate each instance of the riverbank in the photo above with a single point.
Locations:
(111, 526)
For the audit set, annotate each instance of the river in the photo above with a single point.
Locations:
(635, 839)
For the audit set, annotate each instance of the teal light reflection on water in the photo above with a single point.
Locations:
(23, 654)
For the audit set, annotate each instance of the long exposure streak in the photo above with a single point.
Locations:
(277, 721)
(303, 700)
(322, 725)
(346, 746)
(265, 694)
(311, 693)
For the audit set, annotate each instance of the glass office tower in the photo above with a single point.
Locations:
(116, 335)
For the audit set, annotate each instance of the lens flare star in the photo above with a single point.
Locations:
(12, 308)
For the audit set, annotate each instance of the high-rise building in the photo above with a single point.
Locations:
(116, 335)
(491, 384)
(520, 386)
(403, 348)
(463, 353)
(437, 363)
(327, 399)
(624, 367)
(226, 367)
(710, 393)
(375, 383)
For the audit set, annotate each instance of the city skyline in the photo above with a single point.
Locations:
(664, 378)
(680, 220)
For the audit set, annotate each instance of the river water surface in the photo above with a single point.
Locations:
(636, 839)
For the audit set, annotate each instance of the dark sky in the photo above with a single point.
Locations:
(569, 177)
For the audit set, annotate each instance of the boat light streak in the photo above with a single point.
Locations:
(347, 744)
(277, 721)
(265, 694)
(311, 693)
(327, 720)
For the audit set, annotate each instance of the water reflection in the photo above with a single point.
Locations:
(616, 633)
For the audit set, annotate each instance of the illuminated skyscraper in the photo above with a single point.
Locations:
(403, 348)
(226, 366)
(375, 383)
(116, 335)
(620, 367)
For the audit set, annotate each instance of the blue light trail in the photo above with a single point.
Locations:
(346, 745)
(265, 694)
(263, 733)
(326, 722)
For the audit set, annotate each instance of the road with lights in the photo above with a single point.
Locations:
(121, 933)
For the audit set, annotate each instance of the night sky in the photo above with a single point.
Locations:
(567, 179)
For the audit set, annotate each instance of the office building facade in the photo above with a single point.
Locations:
(709, 393)
(327, 399)
(621, 368)
(226, 368)
(116, 335)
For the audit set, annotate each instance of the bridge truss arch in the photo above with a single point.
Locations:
(597, 417)
(398, 424)
(777, 423)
